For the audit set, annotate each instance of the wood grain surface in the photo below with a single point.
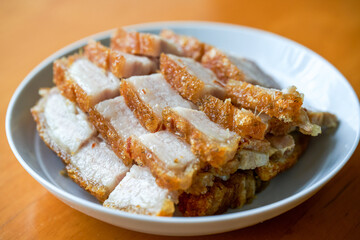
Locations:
(30, 31)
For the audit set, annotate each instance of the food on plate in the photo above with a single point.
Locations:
(158, 122)
(147, 96)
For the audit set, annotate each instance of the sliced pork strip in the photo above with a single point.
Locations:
(96, 168)
(83, 82)
(116, 123)
(142, 43)
(209, 141)
(121, 64)
(138, 193)
(190, 46)
(190, 78)
(170, 159)
(242, 121)
(147, 96)
(67, 131)
(65, 124)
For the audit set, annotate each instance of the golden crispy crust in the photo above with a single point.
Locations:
(167, 210)
(278, 127)
(207, 150)
(276, 166)
(120, 146)
(134, 43)
(188, 86)
(221, 65)
(143, 112)
(117, 63)
(164, 178)
(234, 193)
(68, 88)
(243, 122)
(284, 106)
(100, 192)
(190, 46)
(98, 54)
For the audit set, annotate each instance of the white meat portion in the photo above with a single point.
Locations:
(121, 117)
(174, 153)
(157, 93)
(67, 125)
(139, 193)
(97, 164)
(97, 84)
(136, 65)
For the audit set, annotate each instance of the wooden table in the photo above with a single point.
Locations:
(32, 30)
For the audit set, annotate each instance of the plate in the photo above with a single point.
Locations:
(288, 62)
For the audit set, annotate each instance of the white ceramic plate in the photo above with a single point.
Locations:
(288, 62)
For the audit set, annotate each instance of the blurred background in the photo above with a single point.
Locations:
(31, 30)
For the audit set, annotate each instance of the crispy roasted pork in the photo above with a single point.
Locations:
(83, 82)
(116, 123)
(66, 130)
(169, 159)
(147, 96)
(209, 141)
(242, 121)
(190, 78)
(190, 46)
(121, 64)
(138, 193)
(142, 43)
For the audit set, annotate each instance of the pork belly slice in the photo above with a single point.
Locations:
(242, 121)
(190, 78)
(284, 105)
(60, 123)
(83, 82)
(138, 193)
(209, 141)
(116, 123)
(170, 159)
(66, 130)
(142, 43)
(147, 96)
(240, 69)
(96, 168)
(190, 46)
(233, 193)
(122, 65)
(280, 163)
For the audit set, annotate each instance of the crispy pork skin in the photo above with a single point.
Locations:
(142, 43)
(190, 46)
(209, 141)
(242, 121)
(121, 64)
(190, 78)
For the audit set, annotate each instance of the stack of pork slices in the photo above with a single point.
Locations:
(159, 121)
